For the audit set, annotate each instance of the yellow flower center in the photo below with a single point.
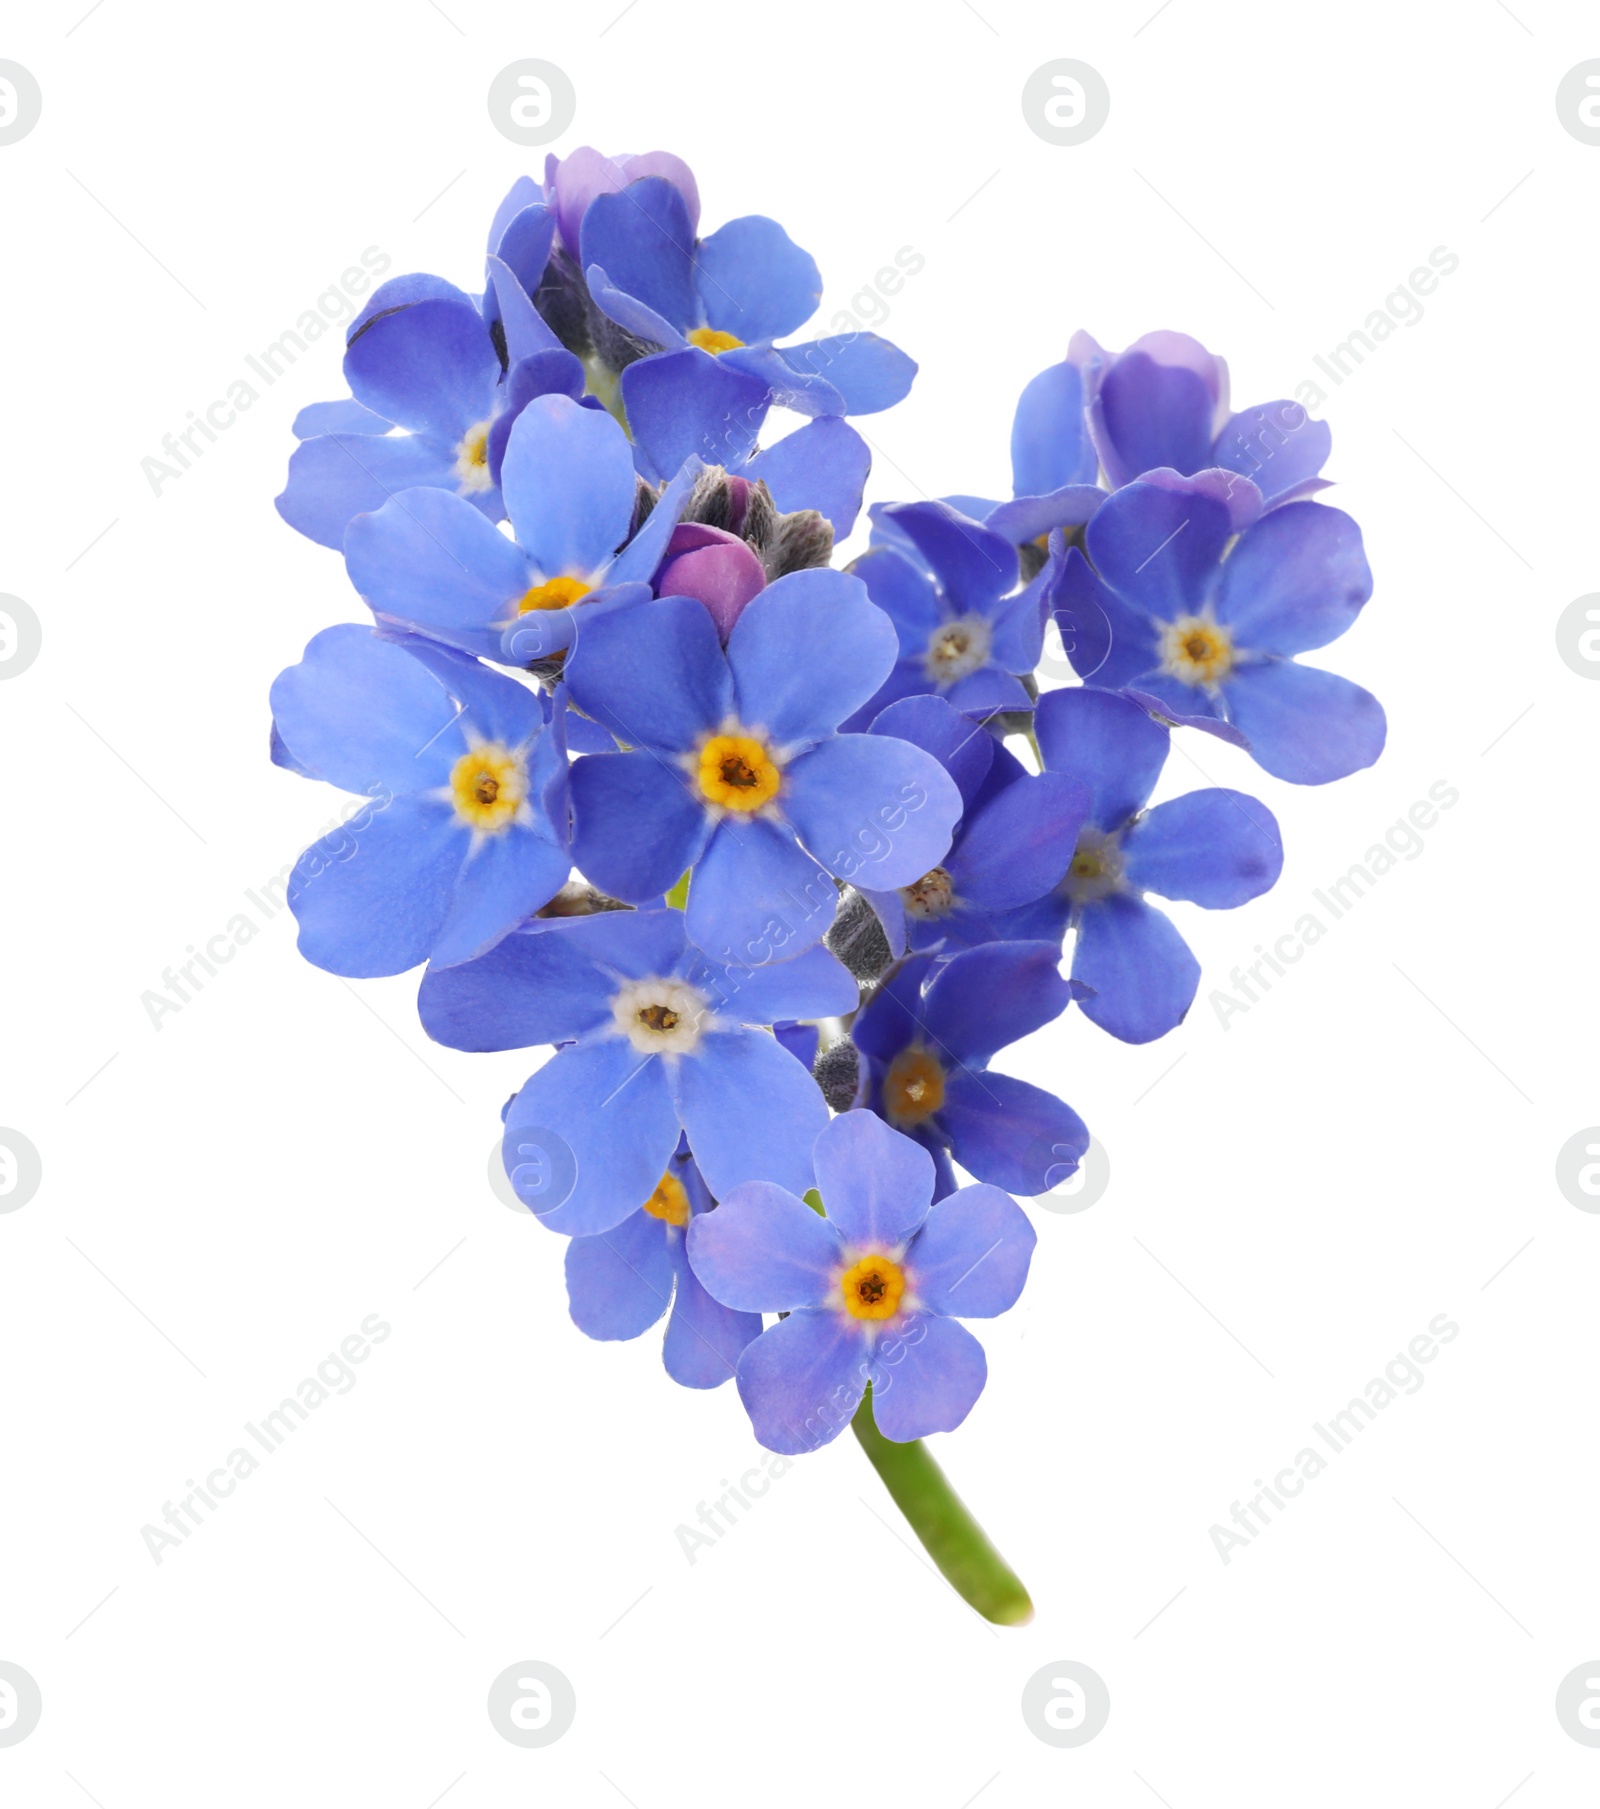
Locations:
(736, 772)
(1095, 870)
(1196, 651)
(488, 786)
(929, 897)
(669, 1201)
(958, 649)
(472, 460)
(913, 1089)
(554, 593)
(872, 1288)
(712, 340)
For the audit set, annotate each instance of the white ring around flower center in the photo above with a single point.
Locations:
(957, 649)
(660, 1017)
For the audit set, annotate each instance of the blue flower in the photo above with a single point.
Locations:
(966, 633)
(733, 767)
(1163, 404)
(1156, 608)
(1016, 836)
(429, 562)
(707, 312)
(656, 1042)
(926, 1058)
(465, 834)
(872, 1293)
(1133, 973)
(423, 358)
(620, 1282)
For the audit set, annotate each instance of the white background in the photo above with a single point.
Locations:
(1289, 1204)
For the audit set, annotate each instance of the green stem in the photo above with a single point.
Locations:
(678, 897)
(949, 1534)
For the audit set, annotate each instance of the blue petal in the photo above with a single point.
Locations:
(1107, 642)
(1107, 742)
(971, 1258)
(1158, 548)
(620, 1282)
(522, 327)
(337, 476)
(1214, 848)
(522, 240)
(365, 715)
(905, 594)
(786, 387)
(926, 1375)
(370, 901)
(1010, 1134)
(1303, 724)
(893, 1016)
(429, 561)
(821, 466)
(346, 416)
(869, 373)
(1152, 414)
(806, 652)
(964, 750)
(687, 404)
(1050, 444)
(704, 1338)
(652, 673)
(754, 281)
(764, 1251)
(1020, 843)
(1142, 971)
(494, 704)
(541, 985)
(636, 829)
(757, 893)
(803, 1378)
(549, 373)
(876, 1185)
(980, 694)
(431, 367)
(631, 314)
(1027, 517)
(1277, 445)
(642, 236)
(975, 566)
(405, 292)
(590, 1136)
(815, 984)
(1295, 581)
(874, 811)
(568, 485)
(501, 885)
(750, 1110)
(637, 561)
(987, 997)
(1018, 628)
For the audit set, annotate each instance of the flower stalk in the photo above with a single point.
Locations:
(962, 1550)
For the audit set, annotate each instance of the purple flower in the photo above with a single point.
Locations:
(1135, 975)
(965, 632)
(466, 834)
(926, 1054)
(872, 1292)
(654, 1042)
(1163, 403)
(1162, 606)
(734, 768)
(620, 1282)
(1017, 834)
